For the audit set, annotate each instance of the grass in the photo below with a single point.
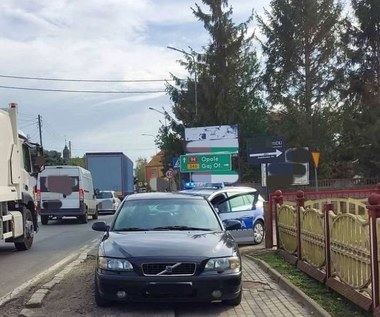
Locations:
(332, 302)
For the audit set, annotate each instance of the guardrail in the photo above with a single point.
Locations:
(335, 238)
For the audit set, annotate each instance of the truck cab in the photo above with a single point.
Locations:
(18, 215)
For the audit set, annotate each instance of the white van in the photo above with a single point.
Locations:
(66, 191)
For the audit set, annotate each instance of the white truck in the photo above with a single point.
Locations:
(18, 215)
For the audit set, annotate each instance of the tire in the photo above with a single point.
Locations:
(84, 218)
(95, 216)
(258, 232)
(234, 302)
(26, 241)
(99, 300)
(44, 220)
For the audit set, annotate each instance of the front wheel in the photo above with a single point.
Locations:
(258, 232)
(26, 241)
(95, 215)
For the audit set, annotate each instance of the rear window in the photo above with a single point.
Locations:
(59, 184)
(102, 195)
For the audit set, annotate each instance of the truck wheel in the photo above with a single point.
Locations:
(44, 220)
(26, 241)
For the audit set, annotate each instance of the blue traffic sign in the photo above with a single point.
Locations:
(268, 149)
(175, 162)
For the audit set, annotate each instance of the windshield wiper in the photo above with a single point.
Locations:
(132, 229)
(180, 228)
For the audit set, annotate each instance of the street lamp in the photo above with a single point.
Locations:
(195, 76)
(163, 113)
(154, 109)
(146, 134)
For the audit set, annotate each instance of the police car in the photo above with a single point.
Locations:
(236, 203)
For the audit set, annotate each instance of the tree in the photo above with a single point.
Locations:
(302, 52)
(53, 158)
(228, 83)
(78, 161)
(140, 168)
(359, 140)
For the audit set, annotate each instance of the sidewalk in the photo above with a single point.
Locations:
(263, 297)
(72, 295)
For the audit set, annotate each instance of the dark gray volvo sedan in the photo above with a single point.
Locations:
(167, 247)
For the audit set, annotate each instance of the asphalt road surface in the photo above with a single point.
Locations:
(54, 243)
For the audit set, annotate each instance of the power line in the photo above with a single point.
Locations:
(86, 91)
(27, 125)
(87, 80)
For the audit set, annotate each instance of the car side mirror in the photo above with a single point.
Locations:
(232, 225)
(100, 226)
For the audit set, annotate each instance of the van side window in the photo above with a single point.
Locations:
(26, 157)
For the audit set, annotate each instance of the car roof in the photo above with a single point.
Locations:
(161, 195)
(210, 191)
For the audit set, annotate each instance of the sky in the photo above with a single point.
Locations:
(103, 40)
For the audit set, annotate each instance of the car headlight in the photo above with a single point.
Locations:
(223, 264)
(112, 264)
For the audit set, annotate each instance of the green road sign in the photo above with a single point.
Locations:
(205, 162)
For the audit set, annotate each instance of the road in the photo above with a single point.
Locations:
(52, 244)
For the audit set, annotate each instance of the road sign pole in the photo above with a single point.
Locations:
(315, 156)
(266, 181)
(316, 178)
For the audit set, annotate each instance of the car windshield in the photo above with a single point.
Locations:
(102, 195)
(166, 214)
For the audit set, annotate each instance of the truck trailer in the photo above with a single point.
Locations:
(18, 172)
(111, 171)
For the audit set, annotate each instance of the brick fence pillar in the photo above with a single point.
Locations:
(278, 199)
(374, 213)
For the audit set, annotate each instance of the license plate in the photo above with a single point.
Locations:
(172, 289)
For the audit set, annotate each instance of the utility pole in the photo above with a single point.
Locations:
(39, 128)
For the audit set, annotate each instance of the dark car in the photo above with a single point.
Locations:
(167, 247)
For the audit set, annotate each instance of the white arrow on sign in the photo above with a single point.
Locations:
(277, 154)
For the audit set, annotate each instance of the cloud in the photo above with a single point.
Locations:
(97, 39)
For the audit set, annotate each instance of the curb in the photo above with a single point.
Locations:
(304, 299)
(39, 295)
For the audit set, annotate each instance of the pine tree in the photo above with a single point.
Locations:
(228, 77)
(302, 65)
(360, 141)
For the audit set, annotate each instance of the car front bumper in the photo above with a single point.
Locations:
(207, 288)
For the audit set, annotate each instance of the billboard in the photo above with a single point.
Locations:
(212, 139)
